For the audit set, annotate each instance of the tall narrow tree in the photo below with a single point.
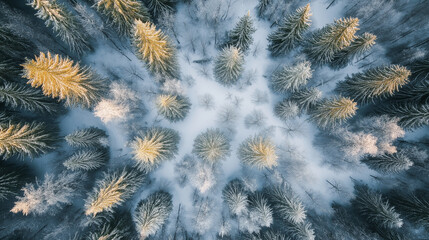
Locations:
(241, 36)
(333, 111)
(87, 160)
(291, 78)
(87, 137)
(229, 66)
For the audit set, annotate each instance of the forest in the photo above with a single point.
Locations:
(214, 119)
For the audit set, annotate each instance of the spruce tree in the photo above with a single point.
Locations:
(286, 109)
(12, 178)
(262, 7)
(152, 212)
(229, 66)
(173, 107)
(411, 115)
(211, 146)
(286, 204)
(379, 82)
(388, 163)
(415, 208)
(300, 231)
(155, 49)
(88, 137)
(235, 196)
(260, 210)
(241, 36)
(259, 152)
(290, 32)
(157, 7)
(25, 139)
(13, 46)
(331, 112)
(377, 211)
(30, 99)
(112, 190)
(87, 160)
(359, 46)
(291, 78)
(330, 40)
(154, 146)
(61, 78)
(63, 23)
(306, 98)
(110, 231)
(122, 13)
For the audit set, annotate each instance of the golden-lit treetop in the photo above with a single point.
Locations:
(259, 152)
(343, 32)
(387, 79)
(334, 111)
(148, 149)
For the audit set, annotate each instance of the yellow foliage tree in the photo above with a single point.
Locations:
(333, 111)
(259, 152)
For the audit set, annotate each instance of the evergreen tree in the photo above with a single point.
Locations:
(63, 23)
(359, 46)
(388, 163)
(414, 208)
(241, 36)
(286, 204)
(236, 198)
(154, 146)
(155, 49)
(12, 178)
(229, 66)
(13, 46)
(260, 211)
(122, 13)
(8, 70)
(259, 152)
(300, 231)
(290, 32)
(152, 212)
(173, 107)
(331, 39)
(157, 7)
(109, 231)
(420, 69)
(410, 115)
(379, 82)
(113, 190)
(262, 7)
(211, 146)
(416, 91)
(372, 206)
(291, 78)
(286, 109)
(60, 77)
(87, 160)
(306, 98)
(25, 139)
(333, 111)
(17, 96)
(88, 137)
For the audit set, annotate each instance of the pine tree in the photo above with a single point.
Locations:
(306, 98)
(25, 139)
(110, 231)
(235, 196)
(379, 82)
(87, 160)
(9, 70)
(157, 7)
(63, 23)
(416, 91)
(113, 190)
(154, 146)
(328, 41)
(300, 231)
(286, 109)
(290, 32)
(371, 205)
(173, 107)
(30, 99)
(414, 208)
(359, 46)
(152, 212)
(262, 7)
(260, 211)
(259, 152)
(211, 146)
(333, 111)
(286, 204)
(291, 78)
(13, 46)
(155, 49)
(12, 178)
(241, 36)
(122, 13)
(61, 78)
(420, 69)
(88, 137)
(388, 163)
(410, 115)
(229, 66)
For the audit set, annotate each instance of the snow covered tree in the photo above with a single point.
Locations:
(241, 36)
(173, 107)
(157, 7)
(154, 146)
(211, 146)
(306, 98)
(262, 7)
(109, 110)
(155, 49)
(9, 70)
(300, 231)
(410, 115)
(286, 109)
(152, 212)
(291, 78)
(87, 137)
(235, 196)
(388, 163)
(331, 39)
(87, 160)
(63, 23)
(229, 66)
(259, 152)
(415, 208)
(112, 190)
(330, 112)
(61, 78)
(261, 213)
(30, 99)
(372, 206)
(25, 139)
(290, 32)
(110, 231)
(359, 46)
(122, 13)
(12, 178)
(202, 176)
(49, 196)
(379, 82)
(286, 204)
